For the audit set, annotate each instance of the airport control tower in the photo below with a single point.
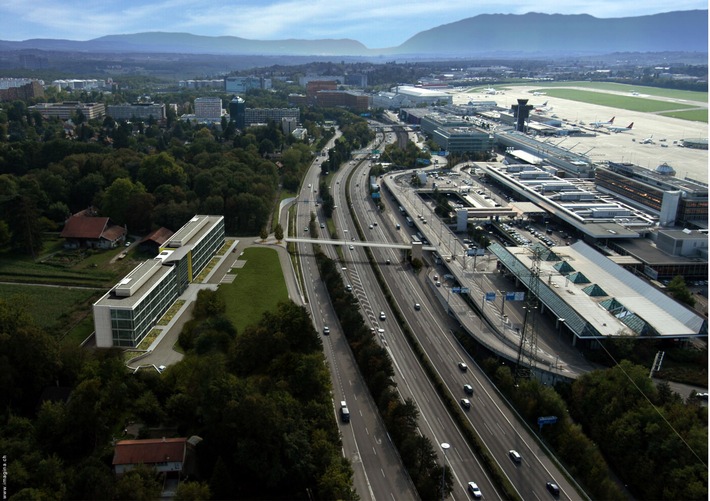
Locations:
(521, 112)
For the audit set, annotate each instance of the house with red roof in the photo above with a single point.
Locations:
(87, 230)
(161, 454)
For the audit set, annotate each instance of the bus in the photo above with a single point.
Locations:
(409, 221)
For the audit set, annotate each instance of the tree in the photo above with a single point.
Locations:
(138, 484)
(263, 234)
(193, 491)
(118, 197)
(679, 290)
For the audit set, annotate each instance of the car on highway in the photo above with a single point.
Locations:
(351, 247)
(463, 366)
(474, 490)
(322, 226)
(382, 315)
(465, 403)
(348, 288)
(326, 330)
(468, 389)
(553, 488)
(515, 456)
(417, 306)
(371, 227)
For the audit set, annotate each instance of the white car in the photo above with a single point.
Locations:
(351, 247)
(382, 315)
(474, 490)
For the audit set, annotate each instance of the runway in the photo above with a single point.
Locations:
(623, 146)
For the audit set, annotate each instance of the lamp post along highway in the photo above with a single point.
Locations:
(444, 446)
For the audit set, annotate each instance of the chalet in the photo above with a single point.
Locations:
(85, 229)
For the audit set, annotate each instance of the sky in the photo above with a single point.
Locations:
(373, 23)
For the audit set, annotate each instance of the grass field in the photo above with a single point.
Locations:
(258, 288)
(55, 309)
(626, 101)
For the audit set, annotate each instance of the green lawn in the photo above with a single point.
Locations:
(55, 309)
(632, 103)
(258, 288)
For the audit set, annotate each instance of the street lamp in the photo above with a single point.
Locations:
(444, 447)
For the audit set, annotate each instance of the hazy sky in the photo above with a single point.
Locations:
(375, 24)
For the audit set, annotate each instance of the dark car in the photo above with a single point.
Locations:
(468, 389)
(553, 488)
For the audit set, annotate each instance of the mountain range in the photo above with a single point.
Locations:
(487, 34)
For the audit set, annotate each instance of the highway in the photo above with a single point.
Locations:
(498, 427)
(377, 469)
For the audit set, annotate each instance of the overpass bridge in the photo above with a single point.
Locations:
(416, 247)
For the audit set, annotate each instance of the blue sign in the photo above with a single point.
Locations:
(456, 290)
(376, 195)
(519, 296)
(510, 296)
(490, 296)
(546, 420)
(464, 290)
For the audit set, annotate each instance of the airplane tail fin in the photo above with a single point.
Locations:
(612, 120)
(630, 125)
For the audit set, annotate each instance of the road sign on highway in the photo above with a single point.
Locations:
(456, 290)
(464, 290)
(490, 296)
(546, 420)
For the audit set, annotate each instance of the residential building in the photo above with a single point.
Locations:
(354, 101)
(87, 230)
(162, 454)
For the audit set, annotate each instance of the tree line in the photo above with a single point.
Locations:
(259, 399)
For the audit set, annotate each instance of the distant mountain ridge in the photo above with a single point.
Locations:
(485, 34)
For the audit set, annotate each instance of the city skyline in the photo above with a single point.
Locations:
(375, 26)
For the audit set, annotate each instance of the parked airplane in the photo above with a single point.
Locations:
(539, 93)
(543, 108)
(491, 90)
(648, 140)
(620, 129)
(601, 124)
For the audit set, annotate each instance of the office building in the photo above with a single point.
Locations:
(253, 116)
(125, 315)
(137, 111)
(208, 108)
(241, 85)
(237, 112)
(67, 109)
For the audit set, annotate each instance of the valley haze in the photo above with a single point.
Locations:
(485, 35)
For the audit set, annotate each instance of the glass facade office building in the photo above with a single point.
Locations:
(127, 313)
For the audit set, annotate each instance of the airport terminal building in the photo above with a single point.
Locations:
(126, 314)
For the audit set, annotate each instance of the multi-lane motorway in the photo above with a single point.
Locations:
(378, 470)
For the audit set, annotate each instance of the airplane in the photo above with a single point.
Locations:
(491, 90)
(634, 93)
(601, 124)
(539, 93)
(648, 140)
(543, 108)
(620, 129)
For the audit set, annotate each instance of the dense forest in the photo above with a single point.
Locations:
(145, 176)
(260, 400)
